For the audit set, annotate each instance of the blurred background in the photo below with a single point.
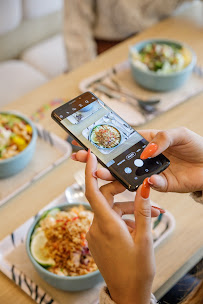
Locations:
(32, 45)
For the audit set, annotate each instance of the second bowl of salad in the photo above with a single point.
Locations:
(160, 64)
(18, 137)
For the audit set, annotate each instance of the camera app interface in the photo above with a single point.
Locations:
(110, 138)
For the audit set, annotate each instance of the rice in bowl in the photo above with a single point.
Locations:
(62, 247)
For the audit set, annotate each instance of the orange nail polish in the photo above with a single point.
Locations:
(145, 190)
(149, 151)
(160, 209)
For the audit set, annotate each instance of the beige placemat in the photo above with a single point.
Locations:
(120, 79)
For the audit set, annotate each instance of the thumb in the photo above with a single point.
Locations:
(143, 211)
(158, 182)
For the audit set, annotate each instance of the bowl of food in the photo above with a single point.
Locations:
(105, 136)
(57, 247)
(17, 142)
(160, 64)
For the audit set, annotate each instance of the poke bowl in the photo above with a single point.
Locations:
(56, 246)
(105, 136)
(18, 137)
(160, 64)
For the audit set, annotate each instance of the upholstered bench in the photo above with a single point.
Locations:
(31, 45)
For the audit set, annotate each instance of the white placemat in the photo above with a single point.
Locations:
(50, 151)
(124, 91)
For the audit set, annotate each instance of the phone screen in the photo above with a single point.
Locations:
(115, 143)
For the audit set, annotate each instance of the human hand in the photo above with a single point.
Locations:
(184, 149)
(124, 253)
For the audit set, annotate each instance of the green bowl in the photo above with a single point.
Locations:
(160, 82)
(67, 283)
(15, 164)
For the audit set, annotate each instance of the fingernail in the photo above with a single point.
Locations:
(160, 209)
(149, 151)
(94, 174)
(73, 156)
(88, 153)
(145, 189)
(151, 184)
(149, 181)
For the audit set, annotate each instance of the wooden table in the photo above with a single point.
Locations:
(184, 248)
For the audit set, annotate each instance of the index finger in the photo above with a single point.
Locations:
(165, 139)
(148, 134)
(97, 201)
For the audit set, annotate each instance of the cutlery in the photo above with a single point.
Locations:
(127, 94)
(148, 105)
(75, 194)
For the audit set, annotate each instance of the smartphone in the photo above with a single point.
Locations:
(115, 143)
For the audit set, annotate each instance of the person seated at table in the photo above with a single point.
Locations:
(93, 26)
(123, 250)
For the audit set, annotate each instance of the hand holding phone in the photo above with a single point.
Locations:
(115, 143)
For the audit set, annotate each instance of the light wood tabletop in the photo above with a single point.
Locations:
(184, 248)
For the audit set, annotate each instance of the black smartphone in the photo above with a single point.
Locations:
(115, 143)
